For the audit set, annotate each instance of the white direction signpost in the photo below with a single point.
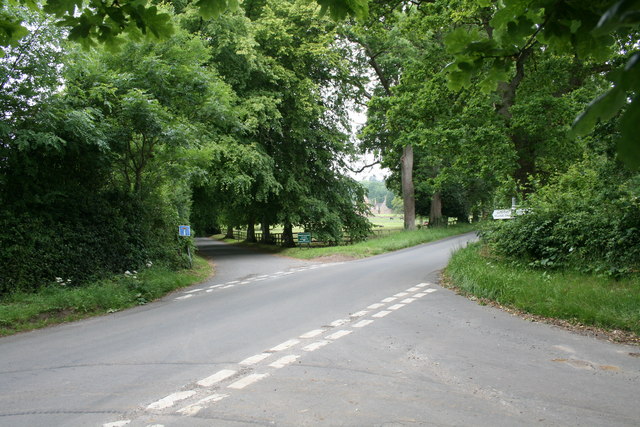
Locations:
(502, 214)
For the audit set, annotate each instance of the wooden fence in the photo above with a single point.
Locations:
(278, 238)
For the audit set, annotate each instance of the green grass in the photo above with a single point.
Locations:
(56, 304)
(567, 295)
(392, 242)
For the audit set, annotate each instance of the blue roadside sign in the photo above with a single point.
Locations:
(184, 230)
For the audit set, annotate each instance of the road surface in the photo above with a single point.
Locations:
(276, 341)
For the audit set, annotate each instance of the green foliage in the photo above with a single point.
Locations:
(94, 22)
(586, 219)
(60, 301)
(586, 30)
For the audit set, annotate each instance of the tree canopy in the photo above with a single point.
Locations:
(121, 120)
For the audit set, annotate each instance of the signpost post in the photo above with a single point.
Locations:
(185, 231)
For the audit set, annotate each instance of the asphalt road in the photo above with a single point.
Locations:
(277, 341)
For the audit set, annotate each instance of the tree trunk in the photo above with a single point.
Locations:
(408, 194)
(229, 234)
(266, 233)
(524, 146)
(287, 235)
(251, 232)
(435, 214)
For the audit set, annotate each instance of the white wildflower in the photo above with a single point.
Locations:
(127, 273)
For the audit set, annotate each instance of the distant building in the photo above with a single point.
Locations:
(378, 208)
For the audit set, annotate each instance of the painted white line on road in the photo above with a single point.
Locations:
(193, 409)
(216, 378)
(259, 279)
(284, 361)
(381, 314)
(312, 334)
(338, 334)
(408, 300)
(167, 402)
(215, 286)
(420, 295)
(185, 296)
(430, 290)
(374, 306)
(227, 287)
(233, 282)
(117, 423)
(316, 345)
(255, 359)
(264, 276)
(285, 345)
(287, 273)
(422, 285)
(396, 306)
(246, 282)
(339, 322)
(415, 288)
(363, 323)
(401, 294)
(360, 313)
(194, 290)
(389, 299)
(248, 380)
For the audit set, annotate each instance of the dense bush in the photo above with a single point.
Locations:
(588, 219)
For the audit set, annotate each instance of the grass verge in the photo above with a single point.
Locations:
(369, 247)
(55, 304)
(576, 298)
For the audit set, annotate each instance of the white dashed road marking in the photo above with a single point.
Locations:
(216, 378)
(312, 334)
(167, 402)
(360, 313)
(339, 322)
(117, 423)
(285, 345)
(248, 380)
(316, 345)
(284, 361)
(192, 409)
(363, 323)
(337, 335)
(254, 359)
(381, 313)
(197, 407)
